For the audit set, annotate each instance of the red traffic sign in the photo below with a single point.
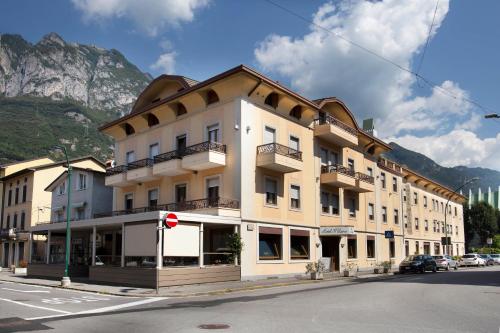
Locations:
(170, 220)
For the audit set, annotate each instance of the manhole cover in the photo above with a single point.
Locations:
(213, 326)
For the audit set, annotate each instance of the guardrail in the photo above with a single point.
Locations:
(146, 162)
(171, 155)
(339, 169)
(116, 170)
(365, 178)
(328, 119)
(203, 147)
(280, 149)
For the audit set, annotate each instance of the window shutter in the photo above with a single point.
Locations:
(213, 182)
(294, 192)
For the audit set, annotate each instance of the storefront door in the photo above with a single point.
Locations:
(330, 246)
(6, 254)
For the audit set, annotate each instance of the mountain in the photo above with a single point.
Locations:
(451, 177)
(55, 92)
(97, 78)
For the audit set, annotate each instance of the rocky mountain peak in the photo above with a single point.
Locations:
(52, 38)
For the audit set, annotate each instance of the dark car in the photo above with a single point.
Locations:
(418, 263)
(489, 259)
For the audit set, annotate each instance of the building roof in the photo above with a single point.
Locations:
(5, 165)
(51, 165)
(64, 174)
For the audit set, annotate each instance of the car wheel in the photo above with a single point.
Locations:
(434, 269)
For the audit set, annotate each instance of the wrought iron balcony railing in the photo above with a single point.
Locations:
(203, 147)
(116, 170)
(178, 207)
(338, 168)
(171, 155)
(365, 178)
(147, 162)
(328, 119)
(279, 149)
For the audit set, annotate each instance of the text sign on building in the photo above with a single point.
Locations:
(339, 230)
(389, 234)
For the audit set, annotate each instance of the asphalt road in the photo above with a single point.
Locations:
(467, 300)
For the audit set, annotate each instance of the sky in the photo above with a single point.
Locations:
(351, 49)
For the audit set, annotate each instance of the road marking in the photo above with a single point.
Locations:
(74, 300)
(27, 291)
(34, 306)
(122, 306)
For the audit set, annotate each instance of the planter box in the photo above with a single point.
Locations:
(316, 276)
(349, 273)
(20, 271)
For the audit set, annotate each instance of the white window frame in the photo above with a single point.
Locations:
(149, 149)
(174, 190)
(124, 199)
(290, 245)
(277, 192)
(205, 184)
(276, 136)
(78, 182)
(158, 191)
(283, 254)
(219, 132)
(290, 197)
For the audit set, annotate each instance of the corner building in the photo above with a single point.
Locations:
(297, 178)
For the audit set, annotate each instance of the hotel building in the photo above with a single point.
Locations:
(297, 179)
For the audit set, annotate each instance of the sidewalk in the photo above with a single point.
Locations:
(217, 288)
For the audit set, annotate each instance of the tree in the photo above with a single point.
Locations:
(480, 219)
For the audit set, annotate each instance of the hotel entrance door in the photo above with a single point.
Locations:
(330, 246)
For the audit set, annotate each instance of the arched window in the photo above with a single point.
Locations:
(296, 112)
(272, 100)
(181, 109)
(152, 120)
(129, 130)
(212, 97)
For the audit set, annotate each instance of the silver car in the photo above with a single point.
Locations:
(445, 262)
(496, 258)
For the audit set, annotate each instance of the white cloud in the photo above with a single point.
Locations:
(165, 63)
(459, 147)
(320, 64)
(150, 16)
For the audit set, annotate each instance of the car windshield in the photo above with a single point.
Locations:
(468, 256)
(414, 258)
(438, 257)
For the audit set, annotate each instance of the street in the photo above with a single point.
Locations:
(467, 300)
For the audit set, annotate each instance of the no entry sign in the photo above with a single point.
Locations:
(170, 220)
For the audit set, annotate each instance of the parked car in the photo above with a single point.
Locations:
(489, 260)
(472, 259)
(418, 263)
(445, 262)
(496, 258)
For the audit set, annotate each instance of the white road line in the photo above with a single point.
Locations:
(121, 306)
(27, 291)
(34, 306)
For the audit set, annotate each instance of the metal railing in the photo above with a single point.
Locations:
(203, 147)
(365, 178)
(171, 155)
(338, 168)
(328, 119)
(279, 149)
(178, 207)
(146, 162)
(116, 170)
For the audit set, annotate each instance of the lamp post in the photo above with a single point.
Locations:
(446, 212)
(65, 282)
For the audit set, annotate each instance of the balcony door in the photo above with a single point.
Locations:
(213, 133)
(181, 142)
(154, 150)
(269, 135)
(213, 191)
(130, 157)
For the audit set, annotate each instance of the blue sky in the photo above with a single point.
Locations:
(205, 37)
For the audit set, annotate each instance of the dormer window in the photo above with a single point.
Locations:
(212, 97)
(272, 100)
(181, 109)
(296, 112)
(152, 120)
(129, 130)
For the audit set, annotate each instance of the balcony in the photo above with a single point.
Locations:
(277, 157)
(168, 164)
(333, 130)
(140, 171)
(117, 176)
(364, 183)
(14, 234)
(192, 205)
(338, 175)
(204, 156)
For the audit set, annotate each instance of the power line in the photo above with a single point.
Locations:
(431, 84)
(428, 38)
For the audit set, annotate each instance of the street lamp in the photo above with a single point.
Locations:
(446, 212)
(492, 115)
(65, 282)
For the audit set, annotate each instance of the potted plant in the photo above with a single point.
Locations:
(235, 245)
(316, 269)
(378, 268)
(386, 265)
(350, 269)
(22, 268)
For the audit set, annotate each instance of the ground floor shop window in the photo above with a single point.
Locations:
(370, 247)
(427, 248)
(437, 249)
(352, 247)
(392, 248)
(417, 248)
(180, 261)
(299, 244)
(270, 240)
(140, 261)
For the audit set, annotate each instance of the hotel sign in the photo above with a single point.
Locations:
(339, 230)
